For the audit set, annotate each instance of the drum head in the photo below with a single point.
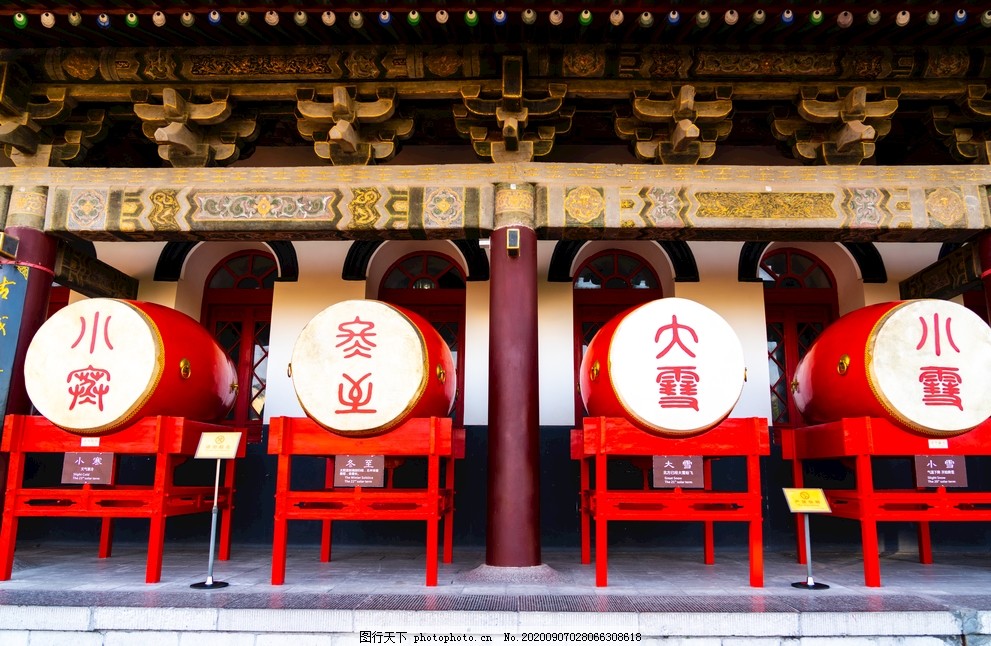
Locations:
(359, 366)
(93, 365)
(928, 362)
(676, 366)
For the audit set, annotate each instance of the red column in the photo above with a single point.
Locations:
(513, 514)
(37, 250)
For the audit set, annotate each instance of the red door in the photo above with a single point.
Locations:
(800, 301)
(237, 309)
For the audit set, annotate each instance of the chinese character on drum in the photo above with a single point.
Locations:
(91, 384)
(687, 383)
(364, 367)
(940, 384)
(356, 337)
(678, 385)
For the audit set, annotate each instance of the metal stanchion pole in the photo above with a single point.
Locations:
(210, 583)
(809, 583)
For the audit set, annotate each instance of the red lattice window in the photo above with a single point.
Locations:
(433, 286)
(800, 301)
(237, 309)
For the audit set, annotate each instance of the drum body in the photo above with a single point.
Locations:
(362, 367)
(921, 364)
(671, 367)
(101, 363)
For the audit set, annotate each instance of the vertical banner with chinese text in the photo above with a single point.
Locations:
(13, 290)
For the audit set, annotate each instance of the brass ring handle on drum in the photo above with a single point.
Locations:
(594, 372)
(843, 365)
(794, 386)
(184, 369)
(441, 374)
(289, 371)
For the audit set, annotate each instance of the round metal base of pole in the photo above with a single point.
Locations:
(810, 585)
(209, 585)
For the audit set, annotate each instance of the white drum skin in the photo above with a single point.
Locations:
(671, 367)
(922, 364)
(362, 367)
(101, 363)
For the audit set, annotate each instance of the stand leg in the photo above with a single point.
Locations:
(432, 536)
(326, 525)
(106, 537)
(280, 531)
(326, 539)
(8, 531)
(868, 522)
(872, 559)
(226, 519)
(449, 525)
(156, 542)
(709, 543)
(925, 543)
(756, 554)
(585, 511)
(601, 552)
(449, 513)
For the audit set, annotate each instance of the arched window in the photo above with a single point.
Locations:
(433, 286)
(605, 285)
(237, 309)
(800, 301)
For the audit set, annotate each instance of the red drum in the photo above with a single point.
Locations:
(102, 363)
(671, 367)
(362, 367)
(921, 364)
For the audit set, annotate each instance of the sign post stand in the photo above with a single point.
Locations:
(220, 446)
(805, 502)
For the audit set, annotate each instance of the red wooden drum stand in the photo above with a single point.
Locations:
(171, 440)
(605, 437)
(862, 438)
(432, 437)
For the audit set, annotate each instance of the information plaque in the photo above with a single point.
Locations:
(218, 445)
(88, 468)
(940, 471)
(359, 471)
(683, 471)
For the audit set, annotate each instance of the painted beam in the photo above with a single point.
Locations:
(574, 201)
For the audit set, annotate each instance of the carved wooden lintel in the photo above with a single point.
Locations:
(92, 277)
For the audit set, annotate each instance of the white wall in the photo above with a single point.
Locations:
(293, 305)
(556, 346)
(742, 305)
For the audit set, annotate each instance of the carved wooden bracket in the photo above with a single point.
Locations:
(347, 131)
(966, 127)
(839, 131)
(44, 133)
(69, 141)
(195, 134)
(674, 126)
(511, 141)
